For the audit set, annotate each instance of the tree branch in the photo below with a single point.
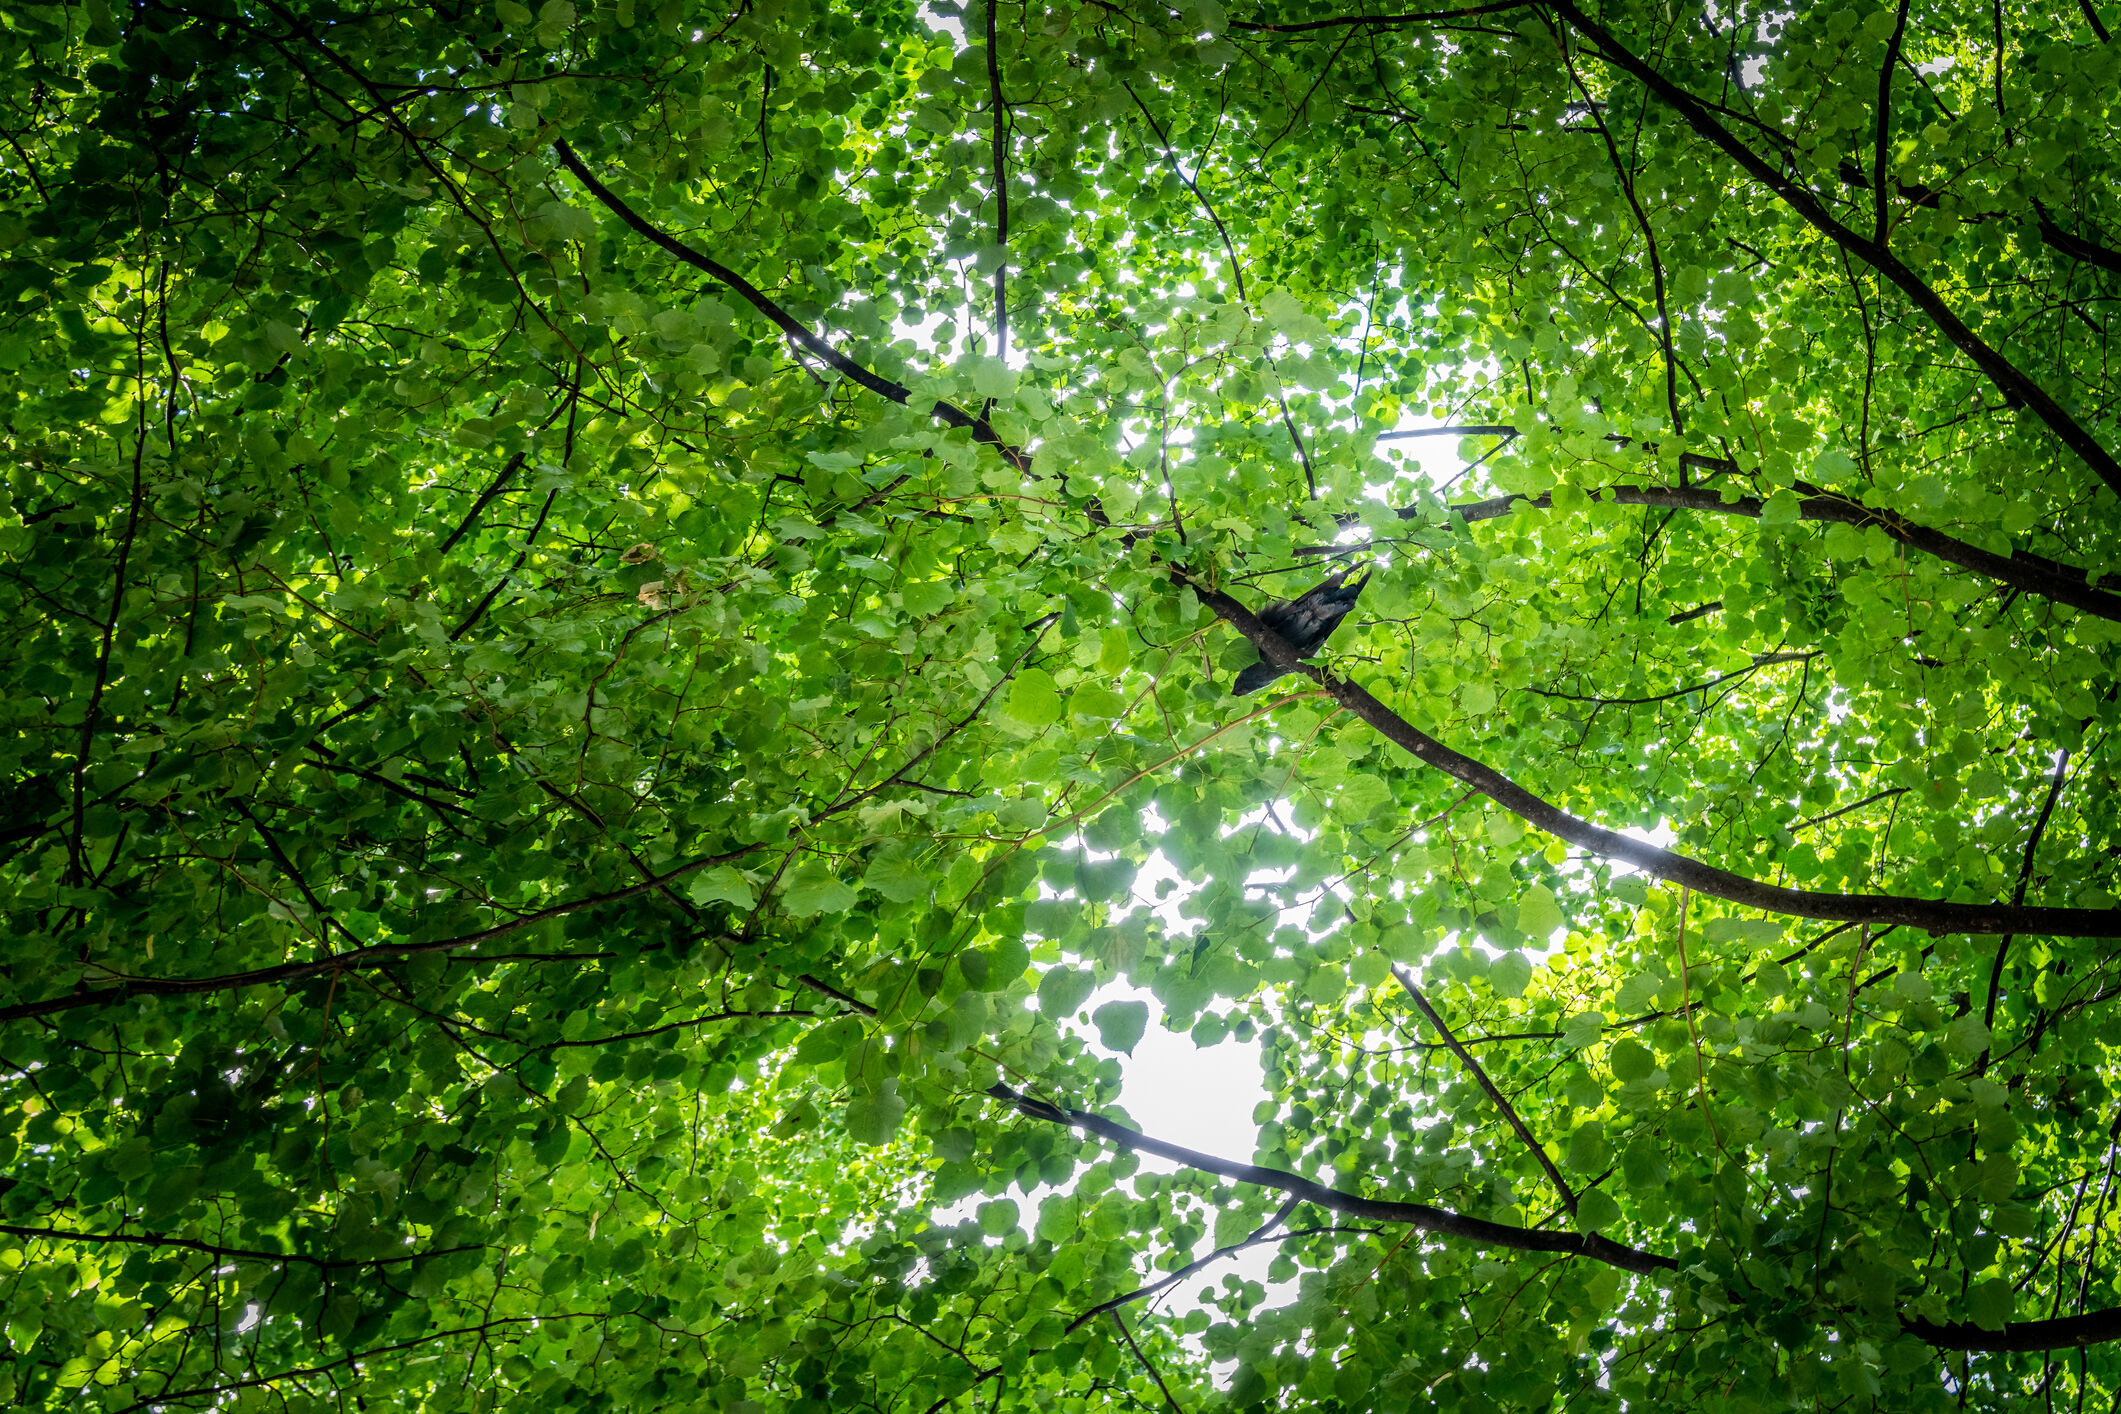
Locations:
(1001, 188)
(1999, 370)
(795, 329)
(2021, 569)
(1422, 1216)
(2025, 878)
(1936, 915)
(354, 959)
(1377, 21)
(1509, 1111)
(215, 1250)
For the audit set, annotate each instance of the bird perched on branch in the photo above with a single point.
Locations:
(1306, 622)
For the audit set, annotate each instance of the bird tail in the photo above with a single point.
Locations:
(1254, 678)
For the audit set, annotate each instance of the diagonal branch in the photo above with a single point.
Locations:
(1263, 1233)
(1936, 915)
(1800, 199)
(2066, 1332)
(795, 329)
(1121, 1322)
(1509, 1111)
(1421, 1216)
(2021, 569)
(2025, 878)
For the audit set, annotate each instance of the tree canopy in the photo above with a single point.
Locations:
(614, 609)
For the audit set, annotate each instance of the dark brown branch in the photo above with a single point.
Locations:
(1471, 430)
(671, 1026)
(1169, 1402)
(1886, 794)
(354, 959)
(2091, 17)
(1936, 915)
(1377, 21)
(1263, 1233)
(2025, 878)
(2065, 1333)
(2034, 574)
(215, 1250)
(1421, 1216)
(1764, 660)
(2076, 247)
(795, 329)
(2062, 1333)
(1001, 188)
(1998, 369)
(1509, 1111)
(1882, 121)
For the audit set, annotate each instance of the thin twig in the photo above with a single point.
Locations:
(1509, 1111)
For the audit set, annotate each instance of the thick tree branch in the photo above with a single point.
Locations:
(1422, 1216)
(795, 329)
(2068, 1332)
(2076, 247)
(1800, 199)
(2021, 569)
(2062, 1333)
(1936, 915)
(1880, 910)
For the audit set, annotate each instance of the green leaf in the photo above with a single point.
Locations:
(1119, 1024)
(1033, 699)
(813, 888)
(1630, 1061)
(896, 874)
(1990, 1304)
(1782, 508)
(1063, 990)
(1966, 1036)
(828, 1040)
(1596, 1212)
(1510, 973)
(927, 598)
(875, 1119)
(1538, 915)
(725, 884)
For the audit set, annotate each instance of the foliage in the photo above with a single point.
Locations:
(607, 602)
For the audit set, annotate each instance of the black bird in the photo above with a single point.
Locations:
(1306, 621)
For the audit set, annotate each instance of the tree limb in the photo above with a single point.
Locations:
(1509, 1111)
(1801, 200)
(1441, 1221)
(2021, 569)
(1936, 915)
